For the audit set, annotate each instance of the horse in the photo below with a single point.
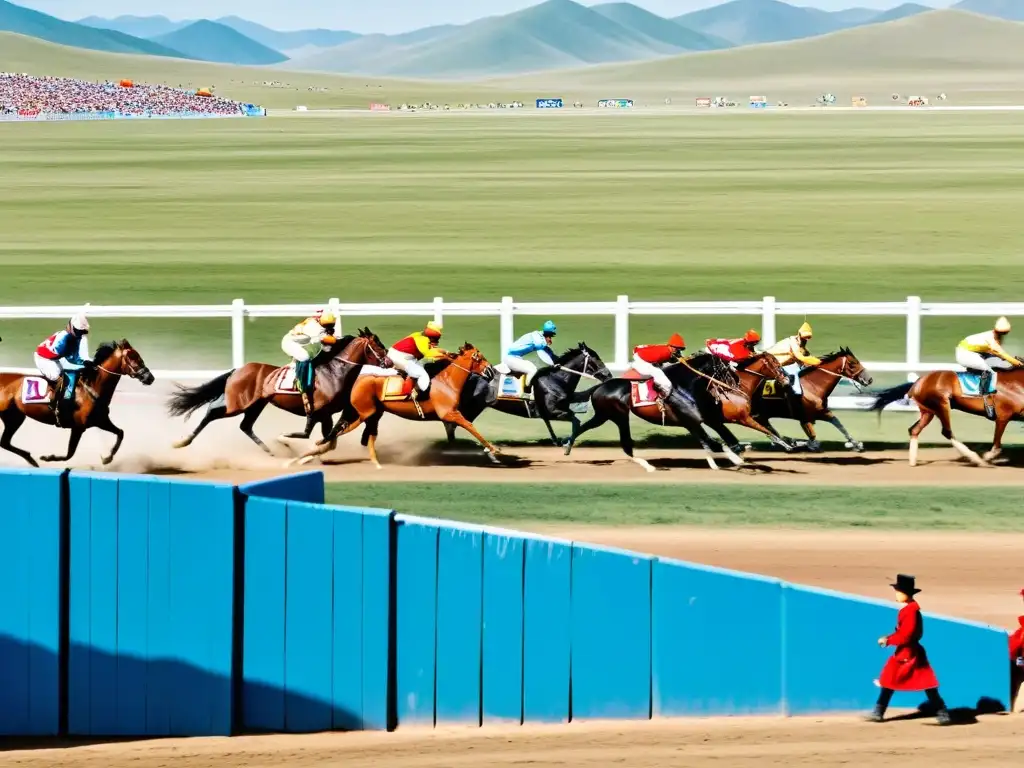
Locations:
(378, 393)
(938, 392)
(248, 390)
(96, 385)
(551, 387)
(735, 392)
(615, 399)
(817, 384)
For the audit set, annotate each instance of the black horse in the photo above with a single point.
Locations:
(690, 405)
(551, 389)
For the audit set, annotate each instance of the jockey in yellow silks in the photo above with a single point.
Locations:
(303, 344)
(406, 354)
(792, 354)
(984, 353)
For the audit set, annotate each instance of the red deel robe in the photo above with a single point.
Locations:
(908, 669)
(1017, 640)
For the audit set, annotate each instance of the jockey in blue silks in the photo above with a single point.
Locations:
(64, 354)
(535, 341)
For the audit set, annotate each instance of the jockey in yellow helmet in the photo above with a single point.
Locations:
(983, 352)
(406, 354)
(303, 344)
(792, 354)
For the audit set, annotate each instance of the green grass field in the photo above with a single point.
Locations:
(703, 504)
(540, 207)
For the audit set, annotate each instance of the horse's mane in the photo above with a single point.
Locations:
(335, 349)
(106, 349)
(568, 354)
(833, 355)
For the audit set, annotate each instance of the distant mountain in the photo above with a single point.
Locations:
(657, 28)
(901, 12)
(136, 26)
(1012, 10)
(760, 21)
(210, 41)
(283, 41)
(852, 17)
(24, 21)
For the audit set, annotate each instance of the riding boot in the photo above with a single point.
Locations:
(423, 394)
(983, 385)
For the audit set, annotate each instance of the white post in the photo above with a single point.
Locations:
(506, 329)
(334, 307)
(622, 332)
(768, 321)
(913, 335)
(237, 333)
(439, 310)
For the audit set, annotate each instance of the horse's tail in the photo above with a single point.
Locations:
(580, 397)
(187, 400)
(888, 396)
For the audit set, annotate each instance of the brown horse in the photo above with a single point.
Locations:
(738, 392)
(250, 389)
(817, 383)
(374, 395)
(96, 386)
(939, 392)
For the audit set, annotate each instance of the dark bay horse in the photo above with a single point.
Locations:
(817, 384)
(612, 400)
(375, 394)
(939, 392)
(96, 385)
(248, 390)
(551, 389)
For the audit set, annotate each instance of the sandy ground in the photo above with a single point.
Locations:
(969, 575)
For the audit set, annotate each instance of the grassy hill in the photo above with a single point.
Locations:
(24, 21)
(657, 28)
(1013, 10)
(137, 26)
(210, 41)
(760, 21)
(286, 41)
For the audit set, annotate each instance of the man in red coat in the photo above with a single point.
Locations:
(1016, 660)
(908, 668)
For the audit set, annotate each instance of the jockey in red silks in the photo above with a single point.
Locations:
(734, 350)
(63, 354)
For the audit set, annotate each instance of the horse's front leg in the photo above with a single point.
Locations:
(852, 444)
(73, 440)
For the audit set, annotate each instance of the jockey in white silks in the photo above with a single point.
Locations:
(534, 341)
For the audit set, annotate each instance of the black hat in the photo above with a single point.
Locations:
(905, 584)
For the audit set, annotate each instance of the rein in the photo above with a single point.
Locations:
(583, 373)
(721, 384)
(842, 374)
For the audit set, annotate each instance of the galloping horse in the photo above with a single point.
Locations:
(375, 394)
(736, 393)
(615, 399)
(938, 392)
(551, 388)
(817, 384)
(24, 397)
(254, 386)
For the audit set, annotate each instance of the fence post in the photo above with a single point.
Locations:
(913, 335)
(506, 326)
(334, 307)
(622, 332)
(237, 333)
(439, 310)
(768, 321)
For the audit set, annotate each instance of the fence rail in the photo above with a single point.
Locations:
(913, 309)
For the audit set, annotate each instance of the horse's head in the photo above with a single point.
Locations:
(375, 349)
(767, 365)
(592, 364)
(473, 359)
(122, 359)
(846, 365)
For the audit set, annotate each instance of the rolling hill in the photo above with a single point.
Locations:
(24, 21)
(1012, 10)
(286, 41)
(137, 26)
(210, 41)
(745, 22)
(900, 12)
(657, 28)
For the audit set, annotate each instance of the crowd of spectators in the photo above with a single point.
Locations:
(59, 95)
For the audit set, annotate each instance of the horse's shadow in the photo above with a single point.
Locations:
(958, 715)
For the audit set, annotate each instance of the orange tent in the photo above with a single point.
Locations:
(127, 84)
(204, 92)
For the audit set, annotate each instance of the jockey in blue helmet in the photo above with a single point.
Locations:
(534, 341)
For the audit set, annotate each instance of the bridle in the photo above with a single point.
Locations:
(586, 364)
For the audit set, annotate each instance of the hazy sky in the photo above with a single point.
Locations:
(364, 16)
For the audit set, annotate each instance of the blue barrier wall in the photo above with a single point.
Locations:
(147, 606)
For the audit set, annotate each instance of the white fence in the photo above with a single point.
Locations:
(622, 309)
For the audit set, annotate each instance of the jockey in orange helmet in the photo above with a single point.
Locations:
(648, 359)
(735, 350)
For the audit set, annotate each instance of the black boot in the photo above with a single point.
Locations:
(424, 394)
(983, 385)
(877, 714)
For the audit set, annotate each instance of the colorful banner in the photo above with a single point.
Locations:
(549, 104)
(615, 103)
(703, 101)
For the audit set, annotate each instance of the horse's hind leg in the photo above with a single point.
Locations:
(252, 413)
(213, 413)
(1003, 417)
(12, 421)
(73, 439)
(621, 420)
(915, 432)
(449, 429)
(106, 425)
(947, 432)
(578, 429)
(851, 443)
(730, 445)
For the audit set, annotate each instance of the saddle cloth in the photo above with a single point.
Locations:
(512, 386)
(286, 382)
(970, 384)
(35, 390)
(643, 393)
(397, 388)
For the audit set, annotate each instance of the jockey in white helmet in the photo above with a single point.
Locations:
(64, 354)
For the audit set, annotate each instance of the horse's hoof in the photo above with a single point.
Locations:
(182, 443)
(305, 460)
(813, 446)
(48, 458)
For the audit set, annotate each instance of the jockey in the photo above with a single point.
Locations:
(647, 359)
(406, 354)
(792, 355)
(983, 352)
(734, 350)
(534, 341)
(303, 343)
(63, 355)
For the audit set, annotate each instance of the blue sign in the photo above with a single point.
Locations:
(758, 104)
(549, 104)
